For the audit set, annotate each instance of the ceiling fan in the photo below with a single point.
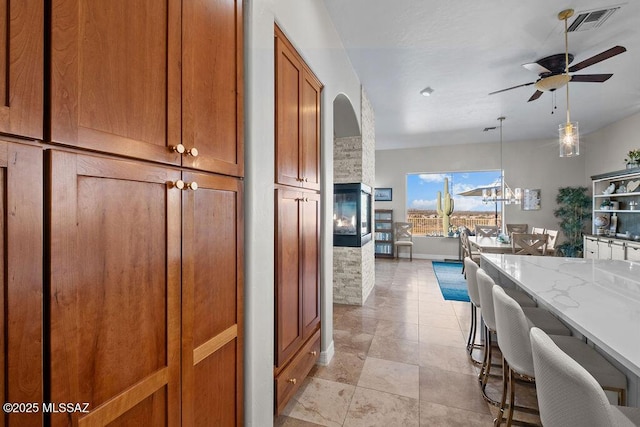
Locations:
(553, 71)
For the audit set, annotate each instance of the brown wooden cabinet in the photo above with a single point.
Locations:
(114, 290)
(297, 118)
(145, 295)
(297, 201)
(22, 67)
(143, 79)
(212, 310)
(21, 317)
(297, 282)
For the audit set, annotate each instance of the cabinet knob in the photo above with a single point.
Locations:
(179, 184)
(292, 380)
(313, 353)
(192, 152)
(306, 199)
(306, 180)
(178, 148)
(192, 185)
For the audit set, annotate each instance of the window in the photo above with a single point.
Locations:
(469, 210)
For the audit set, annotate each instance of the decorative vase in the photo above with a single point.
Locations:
(633, 165)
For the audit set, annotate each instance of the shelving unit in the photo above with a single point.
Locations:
(383, 233)
(614, 243)
(626, 212)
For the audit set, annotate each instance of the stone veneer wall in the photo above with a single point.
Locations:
(353, 162)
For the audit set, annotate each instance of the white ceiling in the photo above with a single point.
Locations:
(465, 49)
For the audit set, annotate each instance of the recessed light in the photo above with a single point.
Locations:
(427, 91)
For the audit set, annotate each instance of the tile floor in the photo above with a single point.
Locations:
(400, 360)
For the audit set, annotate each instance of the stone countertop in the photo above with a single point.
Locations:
(600, 299)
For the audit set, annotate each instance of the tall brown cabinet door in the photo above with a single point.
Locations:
(288, 293)
(212, 313)
(310, 261)
(115, 76)
(114, 290)
(288, 77)
(212, 52)
(310, 134)
(21, 278)
(21, 67)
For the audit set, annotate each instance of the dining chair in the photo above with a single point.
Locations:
(487, 230)
(538, 317)
(537, 230)
(568, 395)
(467, 251)
(517, 228)
(529, 244)
(403, 238)
(551, 242)
(512, 330)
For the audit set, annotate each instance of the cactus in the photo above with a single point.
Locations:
(445, 206)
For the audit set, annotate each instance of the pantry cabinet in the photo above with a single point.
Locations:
(22, 67)
(145, 292)
(159, 81)
(21, 269)
(114, 289)
(297, 118)
(297, 225)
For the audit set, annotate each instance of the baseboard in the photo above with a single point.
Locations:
(326, 355)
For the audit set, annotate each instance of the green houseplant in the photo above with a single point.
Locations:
(633, 159)
(574, 210)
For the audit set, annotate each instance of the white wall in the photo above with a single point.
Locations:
(527, 164)
(307, 24)
(606, 149)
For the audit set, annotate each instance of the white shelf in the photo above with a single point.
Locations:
(617, 210)
(606, 196)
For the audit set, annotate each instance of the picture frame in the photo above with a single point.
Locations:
(383, 194)
(531, 199)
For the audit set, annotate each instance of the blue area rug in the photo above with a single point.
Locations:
(451, 280)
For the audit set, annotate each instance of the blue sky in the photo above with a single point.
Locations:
(422, 189)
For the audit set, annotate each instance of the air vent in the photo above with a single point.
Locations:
(590, 20)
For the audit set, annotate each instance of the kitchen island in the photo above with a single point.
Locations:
(598, 299)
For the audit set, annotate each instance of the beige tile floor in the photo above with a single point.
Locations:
(400, 360)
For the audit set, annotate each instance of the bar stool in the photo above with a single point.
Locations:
(535, 316)
(513, 328)
(568, 395)
(471, 267)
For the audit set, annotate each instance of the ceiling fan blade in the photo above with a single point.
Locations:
(591, 78)
(617, 50)
(509, 88)
(537, 94)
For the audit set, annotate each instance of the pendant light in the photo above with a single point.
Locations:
(509, 196)
(568, 132)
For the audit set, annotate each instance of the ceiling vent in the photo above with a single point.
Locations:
(590, 20)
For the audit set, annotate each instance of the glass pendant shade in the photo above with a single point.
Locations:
(569, 139)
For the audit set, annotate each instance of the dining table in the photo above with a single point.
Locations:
(487, 244)
(597, 299)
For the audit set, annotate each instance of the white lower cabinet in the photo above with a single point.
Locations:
(609, 248)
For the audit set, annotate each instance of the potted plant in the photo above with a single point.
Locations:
(633, 159)
(574, 210)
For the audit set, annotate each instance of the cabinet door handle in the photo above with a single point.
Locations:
(181, 185)
(178, 148)
(306, 180)
(192, 152)
(292, 380)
